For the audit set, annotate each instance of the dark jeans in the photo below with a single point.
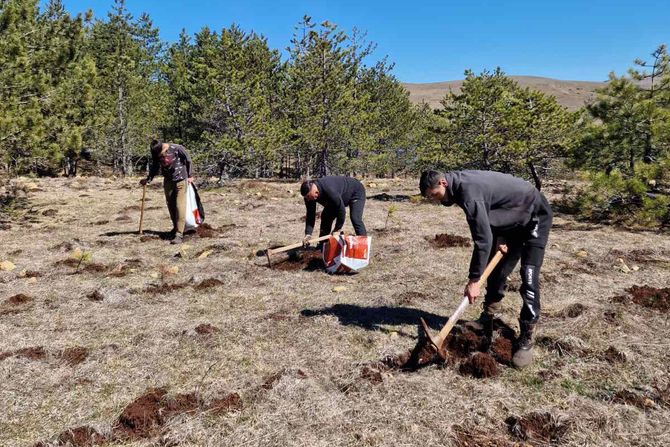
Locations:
(356, 207)
(528, 245)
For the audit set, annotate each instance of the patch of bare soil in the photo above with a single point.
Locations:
(101, 222)
(33, 274)
(206, 329)
(538, 427)
(310, 261)
(208, 284)
(31, 353)
(123, 218)
(96, 295)
(75, 355)
(613, 355)
(627, 397)
(205, 230)
(49, 212)
(77, 437)
(165, 288)
(448, 240)
(462, 437)
(640, 255)
(646, 296)
(146, 415)
(18, 299)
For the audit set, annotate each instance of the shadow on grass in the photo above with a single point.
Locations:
(164, 235)
(372, 318)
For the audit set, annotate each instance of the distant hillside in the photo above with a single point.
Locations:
(571, 94)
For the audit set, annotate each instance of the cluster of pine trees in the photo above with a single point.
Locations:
(73, 87)
(106, 86)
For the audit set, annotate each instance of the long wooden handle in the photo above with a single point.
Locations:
(144, 194)
(464, 304)
(294, 246)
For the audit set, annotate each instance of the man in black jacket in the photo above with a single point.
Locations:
(174, 163)
(499, 208)
(335, 193)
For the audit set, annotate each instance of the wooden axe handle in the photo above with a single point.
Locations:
(144, 194)
(464, 304)
(294, 246)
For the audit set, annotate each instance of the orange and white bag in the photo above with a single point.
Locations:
(344, 254)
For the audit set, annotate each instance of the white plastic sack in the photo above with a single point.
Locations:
(193, 218)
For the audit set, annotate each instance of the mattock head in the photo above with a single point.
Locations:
(439, 345)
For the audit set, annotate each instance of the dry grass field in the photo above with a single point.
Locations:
(113, 338)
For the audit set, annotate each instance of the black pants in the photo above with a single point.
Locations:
(528, 245)
(356, 207)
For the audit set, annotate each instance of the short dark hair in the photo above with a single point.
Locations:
(306, 187)
(156, 147)
(429, 179)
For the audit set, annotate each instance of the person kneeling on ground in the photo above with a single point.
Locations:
(335, 193)
(175, 165)
(499, 207)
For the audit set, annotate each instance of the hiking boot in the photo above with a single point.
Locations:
(523, 355)
(485, 321)
(177, 239)
(482, 324)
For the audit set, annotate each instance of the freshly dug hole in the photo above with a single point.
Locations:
(309, 261)
(449, 240)
(77, 437)
(651, 297)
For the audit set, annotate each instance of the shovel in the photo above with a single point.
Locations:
(438, 342)
(144, 194)
(269, 252)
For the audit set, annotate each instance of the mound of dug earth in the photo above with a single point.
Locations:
(472, 352)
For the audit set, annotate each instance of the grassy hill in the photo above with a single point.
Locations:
(571, 94)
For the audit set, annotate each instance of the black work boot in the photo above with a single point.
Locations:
(485, 321)
(177, 239)
(523, 355)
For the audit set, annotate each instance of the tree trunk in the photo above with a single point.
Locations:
(536, 177)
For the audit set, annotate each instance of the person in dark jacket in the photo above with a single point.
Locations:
(335, 193)
(175, 164)
(499, 208)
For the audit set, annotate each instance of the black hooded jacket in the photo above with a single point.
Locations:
(493, 203)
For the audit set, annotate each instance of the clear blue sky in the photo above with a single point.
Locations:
(437, 40)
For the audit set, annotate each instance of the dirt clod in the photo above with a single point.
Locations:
(613, 355)
(49, 212)
(538, 427)
(146, 415)
(208, 284)
(480, 365)
(206, 329)
(651, 297)
(75, 355)
(627, 397)
(207, 231)
(96, 295)
(372, 375)
(449, 240)
(502, 350)
(19, 299)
